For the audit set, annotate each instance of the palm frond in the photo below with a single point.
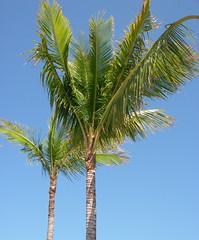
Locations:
(80, 71)
(73, 167)
(56, 153)
(110, 159)
(111, 155)
(132, 47)
(25, 138)
(136, 125)
(168, 64)
(101, 47)
(55, 28)
(60, 151)
(139, 123)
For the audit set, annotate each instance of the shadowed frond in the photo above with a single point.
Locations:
(100, 55)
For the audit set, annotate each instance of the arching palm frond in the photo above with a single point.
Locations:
(144, 121)
(167, 64)
(26, 139)
(55, 29)
(55, 153)
(132, 46)
(136, 126)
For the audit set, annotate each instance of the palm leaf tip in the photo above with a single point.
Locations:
(25, 138)
(55, 34)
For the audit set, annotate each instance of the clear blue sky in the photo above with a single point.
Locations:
(154, 197)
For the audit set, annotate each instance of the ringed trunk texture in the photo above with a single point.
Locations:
(51, 207)
(90, 198)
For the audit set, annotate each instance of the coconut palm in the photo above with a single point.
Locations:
(56, 154)
(101, 91)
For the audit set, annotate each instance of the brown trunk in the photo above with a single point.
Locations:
(90, 197)
(52, 190)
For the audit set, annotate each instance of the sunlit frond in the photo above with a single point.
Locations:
(132, 47)
(110, 159)
(168, 64)
(55, 28)
(26, 139)
(56, 153)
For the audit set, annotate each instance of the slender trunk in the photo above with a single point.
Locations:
(52, 190)
(90, 197)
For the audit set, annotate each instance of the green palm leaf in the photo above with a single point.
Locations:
(132, 47)
(55, 154)
(136, 126)
(25, 138)
(55, 28)
(110, 159)
(100, 55)
(141, 122)
(168, 64)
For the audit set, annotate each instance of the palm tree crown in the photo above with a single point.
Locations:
(103, 89)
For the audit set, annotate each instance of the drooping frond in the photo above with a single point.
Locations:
(25, 138)
(136, 125)
(168, 64)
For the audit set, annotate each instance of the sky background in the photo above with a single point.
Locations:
(154, 197)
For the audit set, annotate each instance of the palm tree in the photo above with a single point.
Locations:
(102, 92)
(55, 154)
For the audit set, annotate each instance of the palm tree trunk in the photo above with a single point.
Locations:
(90, 198)
(52, 190)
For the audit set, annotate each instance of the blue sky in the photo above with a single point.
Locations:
(155, 196)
